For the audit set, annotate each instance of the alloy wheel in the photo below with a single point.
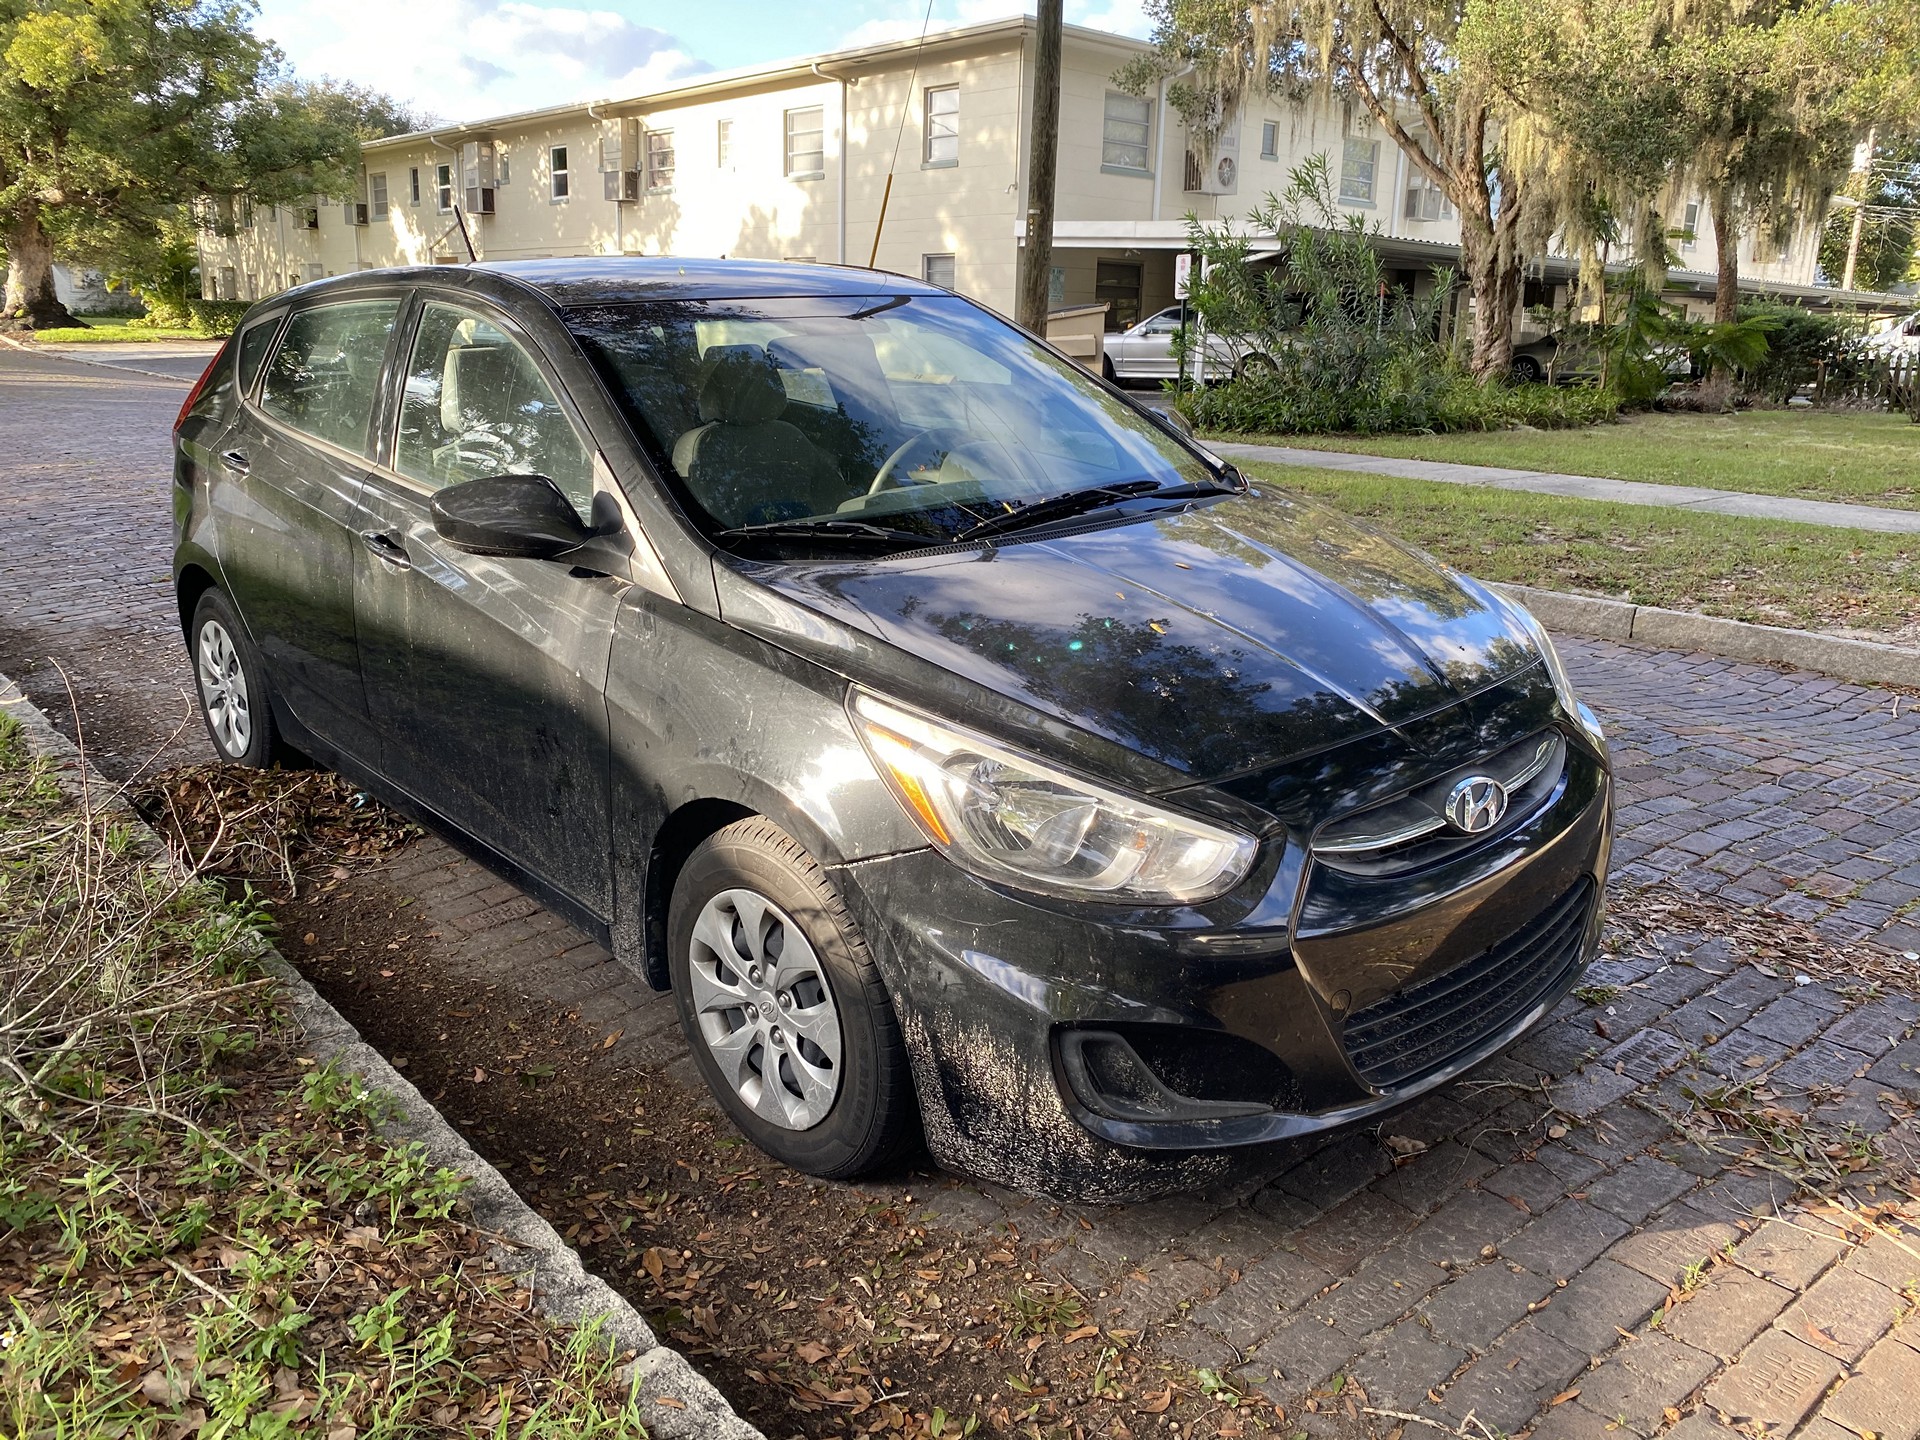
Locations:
(223, 690)
(764, 1009)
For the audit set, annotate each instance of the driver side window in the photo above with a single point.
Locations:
(477, 405)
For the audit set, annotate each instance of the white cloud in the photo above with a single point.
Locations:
(465, 59)
(1121, 17)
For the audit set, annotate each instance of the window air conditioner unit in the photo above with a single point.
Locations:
(356, 212)
(619, 149)
(477, 176)
(623, 184)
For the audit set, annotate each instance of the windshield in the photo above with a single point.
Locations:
(910, 419)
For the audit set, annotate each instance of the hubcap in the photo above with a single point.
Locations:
(750, 967)
(223, 690)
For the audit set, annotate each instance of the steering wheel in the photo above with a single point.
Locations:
(944, 439)
(482, 452)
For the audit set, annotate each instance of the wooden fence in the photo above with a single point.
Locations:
(1892, 380)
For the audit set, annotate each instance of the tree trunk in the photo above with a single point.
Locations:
(30, 293)
(1726, 244)
(1493, 279)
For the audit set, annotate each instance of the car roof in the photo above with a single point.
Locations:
(615, 279)
(607, 279)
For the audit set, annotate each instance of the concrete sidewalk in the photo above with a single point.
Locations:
(1590, 487)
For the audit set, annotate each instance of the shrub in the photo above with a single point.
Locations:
(210, 318)
(1801, 345)
(1430, 401)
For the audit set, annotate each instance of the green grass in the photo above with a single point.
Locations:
(1862, 459)
(200, 1231)
(1767, 571)
(117, 334)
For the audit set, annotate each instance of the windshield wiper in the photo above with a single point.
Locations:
(828, 527)
(1075, 502)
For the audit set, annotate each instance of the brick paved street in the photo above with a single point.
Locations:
(1544, 1246)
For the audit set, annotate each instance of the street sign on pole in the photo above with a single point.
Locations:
(1182, 273)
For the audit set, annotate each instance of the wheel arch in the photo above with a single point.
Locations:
(680, 834)
(193, 581)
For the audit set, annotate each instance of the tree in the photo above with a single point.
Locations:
(1401, 61)
(1776, 95)
(1885, 196)
(115, 113)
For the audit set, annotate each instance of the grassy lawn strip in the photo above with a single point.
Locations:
(1806, 576)
(200, 1232)
(116, 335)
(1860, 459)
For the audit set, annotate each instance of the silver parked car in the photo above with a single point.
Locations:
(1145, 352)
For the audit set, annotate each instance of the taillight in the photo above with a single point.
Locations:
(200, 385)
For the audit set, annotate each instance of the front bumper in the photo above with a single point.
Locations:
(1082, 1052)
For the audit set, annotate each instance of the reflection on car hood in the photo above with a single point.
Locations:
(1229, 636)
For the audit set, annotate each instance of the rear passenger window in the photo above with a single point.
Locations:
(476, 405)
(255, 341)
(323, 377)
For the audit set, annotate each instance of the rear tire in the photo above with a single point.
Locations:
(235, 700)
(1256, 366)
(783, 1008)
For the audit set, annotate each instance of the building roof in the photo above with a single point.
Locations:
(1011, 31)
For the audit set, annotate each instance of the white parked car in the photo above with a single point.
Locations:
(1145, 352)
(1898, 337)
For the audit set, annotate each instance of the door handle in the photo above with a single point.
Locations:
(387, 550)
(236, 461)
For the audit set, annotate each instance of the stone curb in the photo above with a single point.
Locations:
(26, 349)
(675, 1401)
(1861, 661)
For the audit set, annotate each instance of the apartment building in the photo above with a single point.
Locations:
(908, 155)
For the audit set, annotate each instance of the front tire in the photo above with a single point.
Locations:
(783, 1008)
(1526, 370)
(232, 686)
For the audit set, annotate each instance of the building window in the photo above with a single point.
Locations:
(723, 144)
(1359, 159)
(943, 125)
(413, 185)
(1426, 200)
(310, 217)
(806, 142)
(229, 287)
(557, 169)
(1270, 140)
(315, 270)
(937, 270)
(659, 160)
(502, 172)
(443, 189)
(1127, 134)
(1690, 225)
(377, 194)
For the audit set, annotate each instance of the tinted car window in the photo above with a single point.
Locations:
(925, 414)
(323, 377)
(477, 405)
(255, 341)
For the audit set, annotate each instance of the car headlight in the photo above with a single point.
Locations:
(1007, 817)
(1556, 669)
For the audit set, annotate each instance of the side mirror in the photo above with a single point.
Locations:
(520, 516)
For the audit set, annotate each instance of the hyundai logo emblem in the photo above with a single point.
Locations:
(1476, 804)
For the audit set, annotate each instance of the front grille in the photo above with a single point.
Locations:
(1396, 1040)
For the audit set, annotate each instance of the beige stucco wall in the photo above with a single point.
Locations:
(752, 208)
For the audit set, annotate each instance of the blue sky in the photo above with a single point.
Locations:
(465, 59)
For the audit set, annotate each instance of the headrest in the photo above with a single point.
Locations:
(740, 386)
(482, 379)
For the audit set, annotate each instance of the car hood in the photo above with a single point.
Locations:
(1216, 640)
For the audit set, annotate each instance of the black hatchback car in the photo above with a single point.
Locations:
(969, 752)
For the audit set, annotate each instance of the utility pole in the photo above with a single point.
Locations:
(1036, 257)
(1860, 212)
